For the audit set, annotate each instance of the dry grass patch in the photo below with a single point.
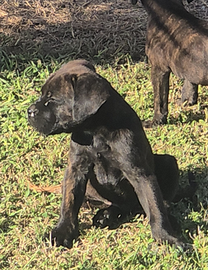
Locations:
(96, 29)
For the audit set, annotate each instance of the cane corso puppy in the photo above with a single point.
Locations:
(176, 41)
(110, 157)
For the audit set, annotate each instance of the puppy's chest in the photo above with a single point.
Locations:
(106, 167)
(100, 147)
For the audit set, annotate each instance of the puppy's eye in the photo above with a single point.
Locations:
(49, 97)
(46, 103)
(49, 94)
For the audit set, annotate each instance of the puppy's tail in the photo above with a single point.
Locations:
(50, 189)
(189, 191)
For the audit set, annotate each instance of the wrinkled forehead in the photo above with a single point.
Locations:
(60, 79)
(77, 67)
(73, 70)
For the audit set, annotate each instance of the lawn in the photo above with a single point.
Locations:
(28, 157)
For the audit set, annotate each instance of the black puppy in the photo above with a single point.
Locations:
(108, 149)
(165, 168)
(176, 41)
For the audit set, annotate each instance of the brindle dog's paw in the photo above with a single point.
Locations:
(110, 217)
(155, 122)
(147, 124)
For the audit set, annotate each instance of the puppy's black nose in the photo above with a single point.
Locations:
(32, 111)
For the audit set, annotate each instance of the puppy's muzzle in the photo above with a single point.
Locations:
(32, 111)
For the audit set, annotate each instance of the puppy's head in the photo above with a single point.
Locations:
(69, 97)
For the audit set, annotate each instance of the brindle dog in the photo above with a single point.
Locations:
(110, 157)
(176, 41)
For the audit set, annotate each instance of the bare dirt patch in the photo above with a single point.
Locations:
(102, 30)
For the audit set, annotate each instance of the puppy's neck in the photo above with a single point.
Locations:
(82, 137)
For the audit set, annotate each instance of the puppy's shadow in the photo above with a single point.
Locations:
(191, 213)
(186, 216)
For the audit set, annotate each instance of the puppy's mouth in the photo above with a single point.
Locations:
(49, 121)
(49, 125)
(45, 127)
(42, 120)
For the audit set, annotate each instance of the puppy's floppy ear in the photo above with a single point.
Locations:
(90, 92)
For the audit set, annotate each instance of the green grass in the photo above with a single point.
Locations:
(25, 156)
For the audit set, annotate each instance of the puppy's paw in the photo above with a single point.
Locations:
(162, 236)
(185, 247)
(62, 236)
(110, 217)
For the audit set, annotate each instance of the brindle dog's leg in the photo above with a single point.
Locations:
(73, 190)
(189, 93)
(160, 82)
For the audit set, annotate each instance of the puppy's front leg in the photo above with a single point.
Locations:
(150, 197)
(73, 191)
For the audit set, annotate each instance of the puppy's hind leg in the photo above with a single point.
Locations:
(167, 173)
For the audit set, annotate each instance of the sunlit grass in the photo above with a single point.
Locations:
(28, 156)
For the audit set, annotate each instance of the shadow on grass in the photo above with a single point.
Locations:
(191, 212)
(188, 116)
(63, 30)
